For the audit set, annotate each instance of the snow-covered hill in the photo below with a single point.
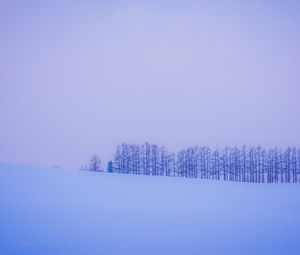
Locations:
(54, 211)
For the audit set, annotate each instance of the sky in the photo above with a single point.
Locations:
(80, 77)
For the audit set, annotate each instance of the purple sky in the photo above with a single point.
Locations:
(78, 78)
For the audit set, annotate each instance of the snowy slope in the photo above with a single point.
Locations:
(54, 211)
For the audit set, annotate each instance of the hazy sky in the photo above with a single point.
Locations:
(79, 77)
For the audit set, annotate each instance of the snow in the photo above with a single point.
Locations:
(55, 211)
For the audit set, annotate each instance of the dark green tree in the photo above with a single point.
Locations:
(110, 167)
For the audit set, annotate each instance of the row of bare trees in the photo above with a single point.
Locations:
(245, 164)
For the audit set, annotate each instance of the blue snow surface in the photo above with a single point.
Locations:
(55, 211)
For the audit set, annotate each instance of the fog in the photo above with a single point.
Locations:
(79, 77)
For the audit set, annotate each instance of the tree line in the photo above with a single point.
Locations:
(244, 164)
